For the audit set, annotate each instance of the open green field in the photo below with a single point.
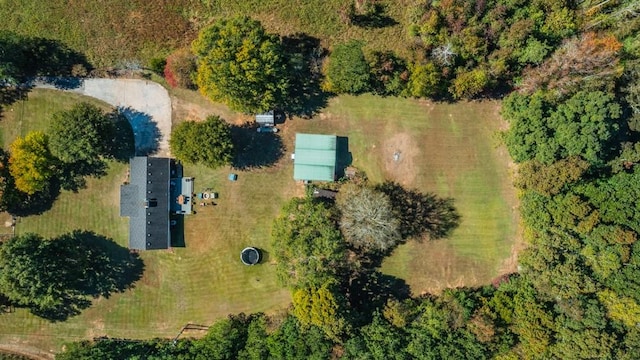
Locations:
(111, 32)
(446, 149)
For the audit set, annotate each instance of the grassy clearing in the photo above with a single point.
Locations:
(111, 32)
(199, 283)
(34, 113)
(322, 19)
(447, 149)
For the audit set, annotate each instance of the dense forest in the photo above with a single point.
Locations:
(569, 72)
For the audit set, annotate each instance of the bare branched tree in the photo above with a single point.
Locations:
(368, 222)
(444, 54)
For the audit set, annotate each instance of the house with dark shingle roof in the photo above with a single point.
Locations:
(146, 201)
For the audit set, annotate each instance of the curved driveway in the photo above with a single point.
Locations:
(146, 105)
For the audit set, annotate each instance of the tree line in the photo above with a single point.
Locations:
(455, 50)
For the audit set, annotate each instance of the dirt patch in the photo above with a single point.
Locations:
(185, 110)
(96, 329)
(26, 352)
(398, 156)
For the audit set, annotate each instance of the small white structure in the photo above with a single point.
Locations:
(266, 119)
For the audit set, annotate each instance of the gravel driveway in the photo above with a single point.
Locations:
(146, 105)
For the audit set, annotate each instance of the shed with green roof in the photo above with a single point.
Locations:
(315, 157)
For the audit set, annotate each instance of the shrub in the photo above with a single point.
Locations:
(157, 65)
(389, 74)
(179, 69)
(469, 84)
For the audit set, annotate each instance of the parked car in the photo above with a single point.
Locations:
(267, 129)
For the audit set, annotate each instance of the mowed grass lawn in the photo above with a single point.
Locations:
(446, 149)
(450, 150)
(199, 283)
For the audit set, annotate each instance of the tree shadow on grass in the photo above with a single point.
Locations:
(123, 146)
(253, 149)
(370, 290)
(421, 214)
(145, 131)
(48, 57)
(305, 56)
(72, 177)
(96, 266)
(374, 18)
(27, 58)
(22, 204)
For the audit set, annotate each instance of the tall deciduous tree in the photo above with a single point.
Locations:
(549, 180)
(83, 133)
(31, 164)
(347, 70)
(242, 65)
(589, 60)
(307, 245)
(367, 220)
(207, 143)
(323, 307)
(54, 278)
(585, 125)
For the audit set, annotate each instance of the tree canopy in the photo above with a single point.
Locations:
(367, 219)
(584, 125)
(207, 143)
(323, 307)
(31, 164)
(55, 278)
(347, 70)
(307, 245)
(242, 65)
(81, 134)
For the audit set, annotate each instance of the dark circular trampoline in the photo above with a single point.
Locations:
(250, 256)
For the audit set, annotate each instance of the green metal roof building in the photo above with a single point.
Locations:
(315, 157)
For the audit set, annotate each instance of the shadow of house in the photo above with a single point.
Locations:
(344, 158)
(145, 131)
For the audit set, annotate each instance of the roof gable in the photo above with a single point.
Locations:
(315, 157)
(145, 200)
